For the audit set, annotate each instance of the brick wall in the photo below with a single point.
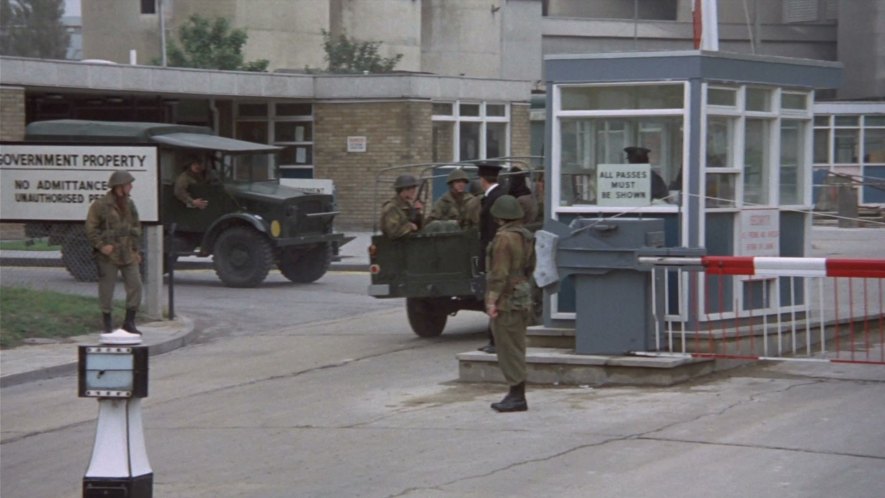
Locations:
(396, 133)
(12, 113)
(12, 128)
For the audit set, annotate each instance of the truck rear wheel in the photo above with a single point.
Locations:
(305, 266)
(242, 257)
(426, 318)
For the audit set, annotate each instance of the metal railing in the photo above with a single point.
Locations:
(786, 309)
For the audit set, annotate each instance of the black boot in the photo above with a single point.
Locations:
(107, 322)
(129, 323)
(514, 401)
(490, 347)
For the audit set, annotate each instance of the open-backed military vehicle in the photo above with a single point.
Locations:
(252, 222)
(437, 271)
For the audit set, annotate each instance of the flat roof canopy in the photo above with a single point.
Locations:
(182, 136)
(694, 64)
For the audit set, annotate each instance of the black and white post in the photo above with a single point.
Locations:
(116, 372)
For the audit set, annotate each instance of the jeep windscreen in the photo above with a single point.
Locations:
(248, 168)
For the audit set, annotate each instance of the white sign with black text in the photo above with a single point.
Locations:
(357, 144)
(41, 182)
(623, 185)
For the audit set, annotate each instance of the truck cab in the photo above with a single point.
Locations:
(251, 224)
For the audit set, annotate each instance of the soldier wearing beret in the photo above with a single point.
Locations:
(401, 214)
(114, 231)
(508, 298)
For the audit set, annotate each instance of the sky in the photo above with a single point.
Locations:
(72, 7)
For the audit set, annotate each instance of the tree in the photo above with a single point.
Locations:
(210, 44)
(347, 55)
(33, 28)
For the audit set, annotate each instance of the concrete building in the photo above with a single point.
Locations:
(484, 60)
(508, 39)
(396, 118)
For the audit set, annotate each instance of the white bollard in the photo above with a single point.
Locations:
(115, 372)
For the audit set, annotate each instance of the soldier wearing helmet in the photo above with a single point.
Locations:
(453, 205)
(114, 230)
(195, 174)
(402, 213)
(508, 300)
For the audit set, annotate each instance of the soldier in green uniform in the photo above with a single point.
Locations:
(453, 204)
(113, 229)
(508, 299)
(402, 213)
(195, 174)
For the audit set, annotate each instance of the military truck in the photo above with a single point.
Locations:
(436, 271)
(252, 222)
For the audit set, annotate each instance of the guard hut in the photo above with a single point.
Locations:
(726, 139)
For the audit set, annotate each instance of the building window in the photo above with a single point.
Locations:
(849, 144)
(287, 125)
(149, 6)
(482, 130)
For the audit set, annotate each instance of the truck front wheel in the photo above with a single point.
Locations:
(305, 266)
(426, 317)
(242, 257)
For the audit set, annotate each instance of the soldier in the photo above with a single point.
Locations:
(453, 204)
(488, 179)
(194, 174)
(520, 190)
(639, 155)
(113, 229)
(401, 214)
(473, 206)
(508, 299)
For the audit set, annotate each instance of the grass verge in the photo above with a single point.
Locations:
(28, 245)
(29, 313)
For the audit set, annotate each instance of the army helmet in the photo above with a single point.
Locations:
(457, 175)
(507, 207)
(404, 181)
(120, 178)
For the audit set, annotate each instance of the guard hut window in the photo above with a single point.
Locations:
(597, 122)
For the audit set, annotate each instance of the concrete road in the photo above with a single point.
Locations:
(320, 391)
(358, 406)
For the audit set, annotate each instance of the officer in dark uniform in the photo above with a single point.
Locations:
(488, 178)
(639, 155)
